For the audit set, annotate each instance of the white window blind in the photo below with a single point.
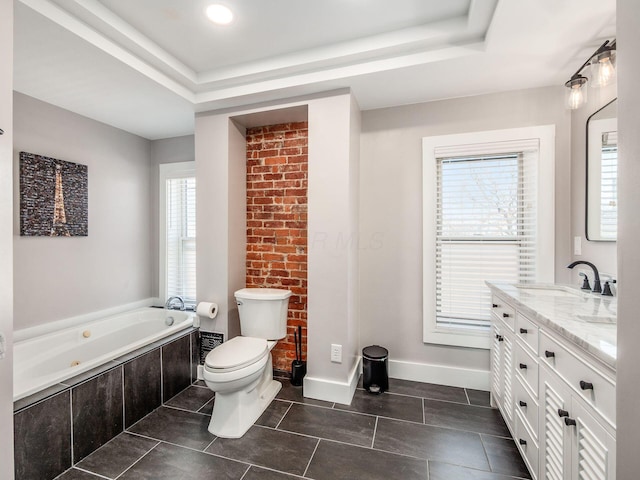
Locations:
(180, 237)
(609, 186)
(486, 224)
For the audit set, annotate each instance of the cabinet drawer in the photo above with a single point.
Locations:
(503, 311)
(593, 386)
(527, 445)
(527, 331)
(527, 406)
(527, 368)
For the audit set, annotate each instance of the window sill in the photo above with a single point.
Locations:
(458, 338)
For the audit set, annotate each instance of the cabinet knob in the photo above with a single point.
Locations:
(505, 315)
(523, 366)
(494, 305)
(569, 422)
(522, 442)
(549, 354)
(524, 330)
(562, 413)
(522, 404)
(586, 385)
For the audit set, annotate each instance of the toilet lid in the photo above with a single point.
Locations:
(236, 353)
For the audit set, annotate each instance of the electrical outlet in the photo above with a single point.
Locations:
(577, 245)
(336, 353)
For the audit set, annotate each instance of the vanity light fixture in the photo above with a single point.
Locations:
(219, 14)
(602, 72)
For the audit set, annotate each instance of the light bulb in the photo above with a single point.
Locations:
(603, 70)
(576, 93)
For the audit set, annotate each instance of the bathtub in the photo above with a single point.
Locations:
(49, 359)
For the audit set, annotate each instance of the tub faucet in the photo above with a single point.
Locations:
(596, 280)
(172, 300)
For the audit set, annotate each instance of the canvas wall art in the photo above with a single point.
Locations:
(53, 197)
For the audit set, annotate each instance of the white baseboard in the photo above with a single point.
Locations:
(331, 390)
(439, 374)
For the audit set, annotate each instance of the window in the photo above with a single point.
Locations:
(609, 186)
(178, 231)
(487, 217)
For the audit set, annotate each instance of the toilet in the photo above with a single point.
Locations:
(240, 371)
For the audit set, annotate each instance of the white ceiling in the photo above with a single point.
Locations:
(146, 66)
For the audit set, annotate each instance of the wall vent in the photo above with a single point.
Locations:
(209, 341)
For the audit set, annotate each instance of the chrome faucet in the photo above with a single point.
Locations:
(172, 300)
(597, 288)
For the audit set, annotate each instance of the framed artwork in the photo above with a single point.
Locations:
(53, 197)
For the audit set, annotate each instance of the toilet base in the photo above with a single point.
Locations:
(235, 412)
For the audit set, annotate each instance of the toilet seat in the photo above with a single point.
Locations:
(236, 353)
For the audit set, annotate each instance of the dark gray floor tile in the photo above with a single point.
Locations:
(42, 439)
(116, 456)
(385, 405)
(504, 456)
(480, 398)
(142, 386)
(193, 398)
(257, 473)
(269, 448)
(75, 474)
(427, 390)
(207, 408)
(465, 417)
(431, 443)
(176, 426)
(337, 461)
(330, 424)
(445, 471)
(97, 412)
(168, 462)
(273, 414)
(294, 394)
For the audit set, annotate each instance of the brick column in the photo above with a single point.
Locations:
(277, 166)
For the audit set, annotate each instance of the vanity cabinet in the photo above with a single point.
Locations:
(557, 400)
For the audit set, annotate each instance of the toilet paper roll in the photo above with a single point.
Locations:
(207, 309)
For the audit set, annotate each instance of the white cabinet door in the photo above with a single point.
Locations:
(593, 452)
(555, 439)
(496, 362)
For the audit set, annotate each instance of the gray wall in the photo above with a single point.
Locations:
(168, 150)
(628, 386)
(602, 254)
(6, 241)
(57, 278)
(391, 209)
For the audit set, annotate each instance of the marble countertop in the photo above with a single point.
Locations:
(561, 313)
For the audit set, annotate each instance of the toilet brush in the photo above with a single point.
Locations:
(298, 367)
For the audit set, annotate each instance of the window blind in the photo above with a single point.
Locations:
(609, 186)
(485, 227)
(181, 238)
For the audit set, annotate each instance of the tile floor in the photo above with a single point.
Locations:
(414, 431)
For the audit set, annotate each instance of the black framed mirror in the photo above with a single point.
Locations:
(602, 174)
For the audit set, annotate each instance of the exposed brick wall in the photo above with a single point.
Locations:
(277, 169)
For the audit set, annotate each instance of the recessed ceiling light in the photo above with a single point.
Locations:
(219, 14)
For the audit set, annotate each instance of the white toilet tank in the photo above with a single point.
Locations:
(263, 312)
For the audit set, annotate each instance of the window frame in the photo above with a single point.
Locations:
(168, 171)
(545, 228)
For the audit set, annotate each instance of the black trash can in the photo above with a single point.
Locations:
(375, 366)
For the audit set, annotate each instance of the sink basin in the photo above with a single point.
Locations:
(598, 318)
(550, 290)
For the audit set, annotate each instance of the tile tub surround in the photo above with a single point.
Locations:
(300, 438)
(65, 423)
(560, 314)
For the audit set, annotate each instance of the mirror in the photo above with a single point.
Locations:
(602, 174)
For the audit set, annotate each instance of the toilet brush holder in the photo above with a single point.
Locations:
(298, 371)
